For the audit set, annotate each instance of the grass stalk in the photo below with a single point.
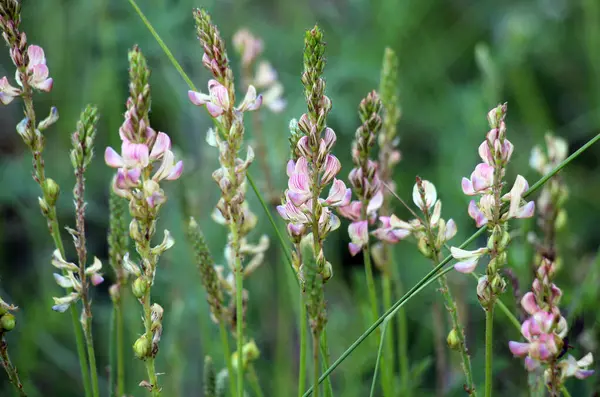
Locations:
(227, 356)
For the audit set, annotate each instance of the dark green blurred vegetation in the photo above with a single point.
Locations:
(457, 59)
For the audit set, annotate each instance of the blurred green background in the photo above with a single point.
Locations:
(458, 59)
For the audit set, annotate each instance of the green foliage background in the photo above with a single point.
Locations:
(457, 59)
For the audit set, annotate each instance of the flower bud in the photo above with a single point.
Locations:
(115, 293)
(141, 347)
(44, 206)
(327, 272)
(24, 130)
(134, 231)
(139, 287)
(7, 322)
(561, 220)
(51, 191)
(424, 247)
(453, 340)
(484, 292)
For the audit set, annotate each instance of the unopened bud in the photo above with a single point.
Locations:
(115, 293)
(424, 247)
(44, 206)
(561, 219)
(141, 347)
(7, 322)
(134, 230)
(51, 191)
(139, 287)
(327, 272)
(453, 339)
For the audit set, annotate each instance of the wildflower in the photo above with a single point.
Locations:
(36, 75)
(467, 259)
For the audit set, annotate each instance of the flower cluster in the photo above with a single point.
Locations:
(364, 177)
(545, 330)
(393, 229)
(486, 182)
(69, 280)
(264, 78)
(313, 167)
(142, 148)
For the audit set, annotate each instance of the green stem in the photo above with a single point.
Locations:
(120, 346)
(89, 341)
(11, 371)
(254, 383)
(111, 352)
(152, 378)
(239, 277)
(303, 335)
(565, 392)
(379, 351)
(326, 362)
(388, 374)
(403, 341)
(227, 354)
(489, 325)
(316, 367)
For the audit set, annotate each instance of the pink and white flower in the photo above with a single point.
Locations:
(481, 180)
(430, 196)
(217, 100)
(467, 260)
(359, 235)
(37, 76)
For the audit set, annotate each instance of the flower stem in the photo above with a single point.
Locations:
(328, 392)
(378, 360)
(402, 339)
(489, 324)
(152, 378)
(227, 354)
(386, 286)
(303, 335)
(111, 352)
(120, 347)
(10, 369)
(239, 302)
(254, 383)
(316, 366)
(89, 341)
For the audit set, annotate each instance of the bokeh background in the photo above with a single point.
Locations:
(457, 58)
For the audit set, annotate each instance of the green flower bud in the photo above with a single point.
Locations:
(141, 347)
(327, 271)
(250, 351)
(139, 287)
(7, 322)
(561, 220)
(453, 339)
(51, 191)
(424, 247)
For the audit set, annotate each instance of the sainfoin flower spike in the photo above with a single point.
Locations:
(145, 162)
(544, 332)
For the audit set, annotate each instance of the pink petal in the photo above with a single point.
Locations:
(518, 349)
(354, 249)
(97, 279)
(112, 158)
(467, 187)
(36, 55)
(466, 266)
(332, 167)
(214, 110)
(291, 165)
(531, 364)
(176, 171)
(529, 303)
(375, 203)
(584, 373)
(162, 144)
(197, 98)
(485, 153)
(135, 154)
(526, 211)
(476, 214)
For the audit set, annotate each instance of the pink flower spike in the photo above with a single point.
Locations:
(332, 167)
(339, 195)
(518, 349)
(161, 145)
(112, 158)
